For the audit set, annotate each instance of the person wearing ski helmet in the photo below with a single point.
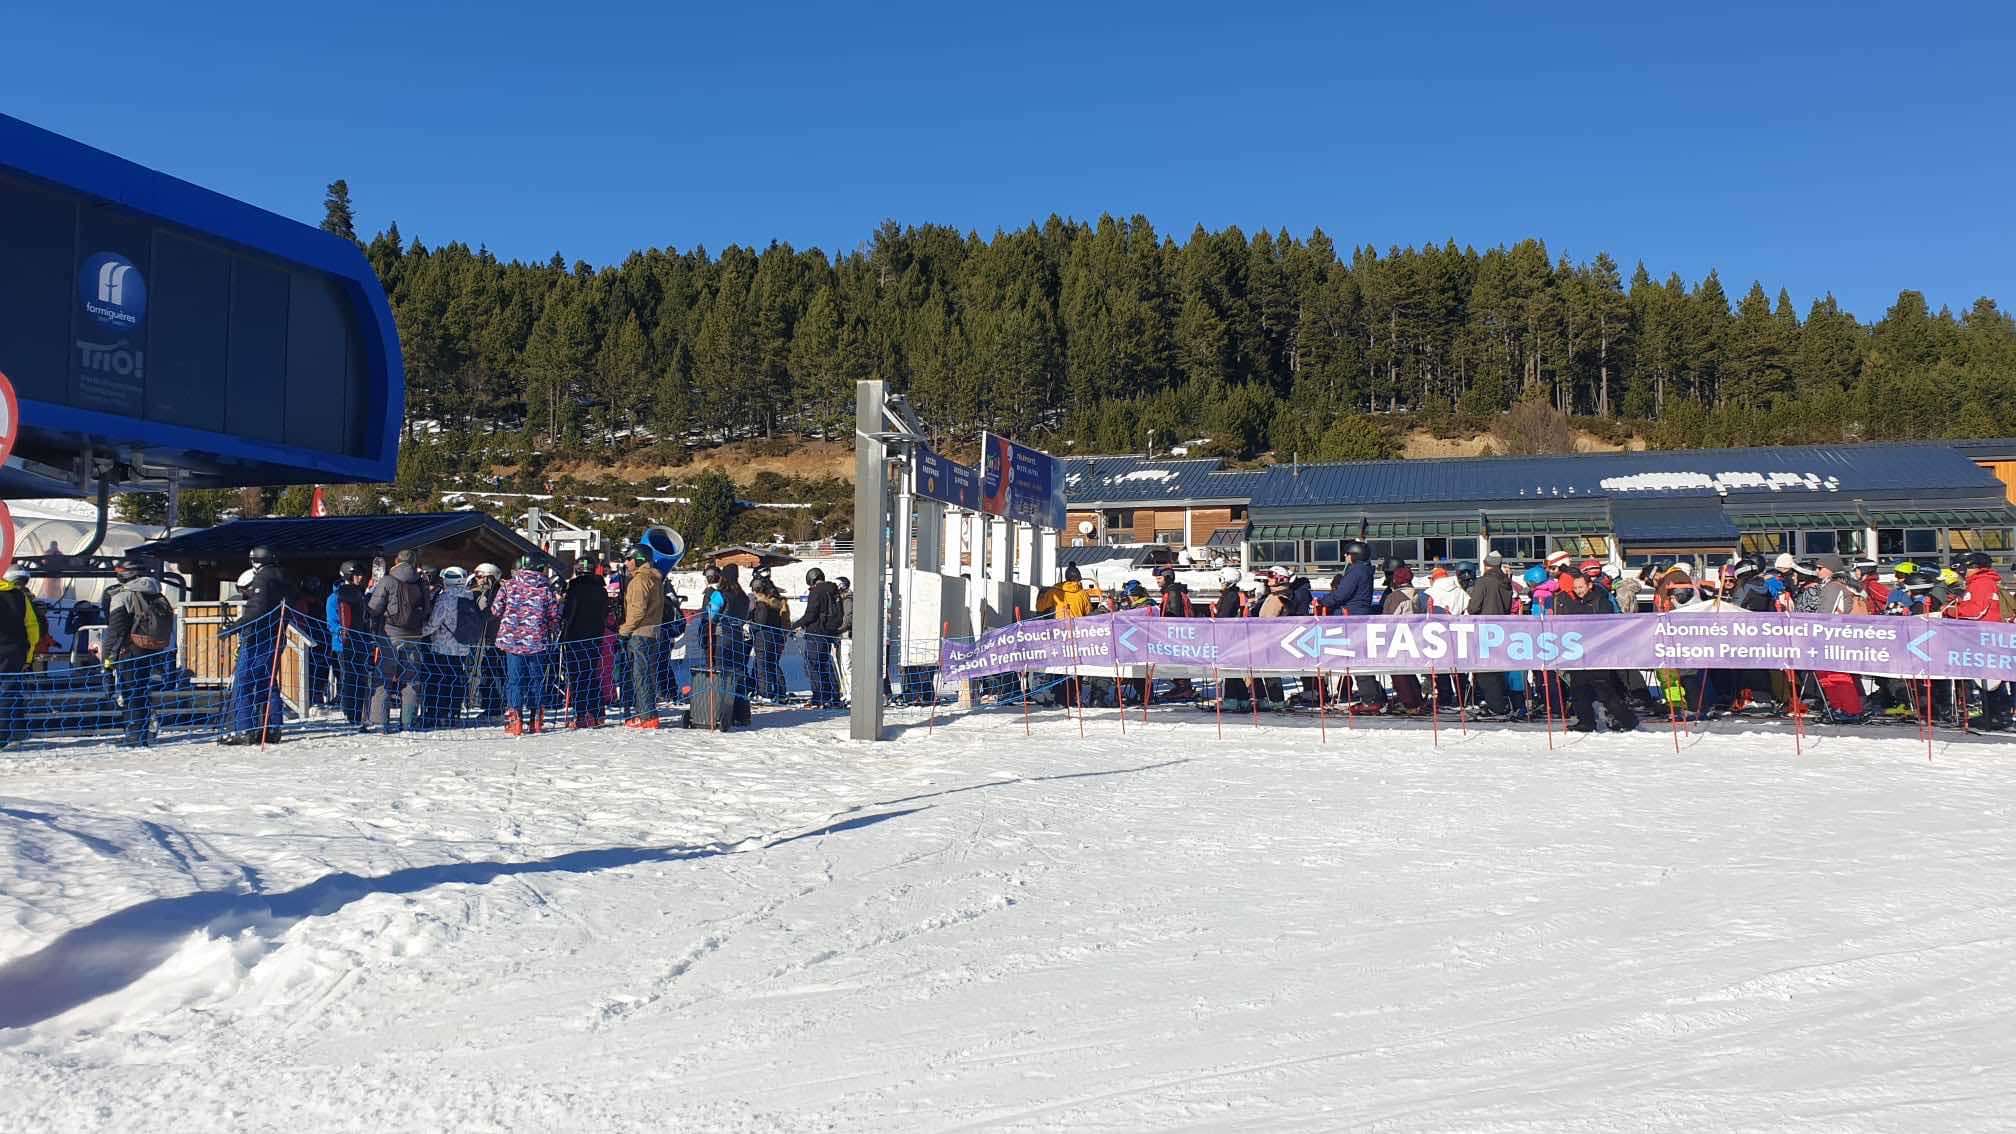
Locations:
(1981, 600)
(252, 716)
(821, 624)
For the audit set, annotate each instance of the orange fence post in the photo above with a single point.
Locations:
(273, 678)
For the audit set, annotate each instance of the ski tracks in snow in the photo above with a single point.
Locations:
(974, 929)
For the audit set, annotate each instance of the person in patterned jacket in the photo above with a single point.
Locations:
(528, 623)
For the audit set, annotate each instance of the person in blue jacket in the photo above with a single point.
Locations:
(1351, 593)
(348, 620)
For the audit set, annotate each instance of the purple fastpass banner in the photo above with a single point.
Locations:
(1893, 646)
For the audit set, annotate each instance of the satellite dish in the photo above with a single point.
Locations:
(1084, 527)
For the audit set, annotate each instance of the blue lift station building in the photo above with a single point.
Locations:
(156, 332)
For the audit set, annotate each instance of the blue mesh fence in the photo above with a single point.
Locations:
(289, 672)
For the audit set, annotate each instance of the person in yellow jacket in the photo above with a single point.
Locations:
(20, 637)
(1069, 599)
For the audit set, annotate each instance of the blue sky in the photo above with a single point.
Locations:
(1858, 148)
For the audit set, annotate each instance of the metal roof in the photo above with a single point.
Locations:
(1119, 481)
(1087, 556)
(1987, 448)
(1674, 522)
(1136, 555)
(1789, 473)
(331, 537)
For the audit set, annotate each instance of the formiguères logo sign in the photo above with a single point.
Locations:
(114, 294)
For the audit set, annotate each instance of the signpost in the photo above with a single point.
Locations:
(947, 481)
(1022, 484)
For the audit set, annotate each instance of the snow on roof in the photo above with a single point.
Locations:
(1157, 475)
(1727, 481)
(55, 508)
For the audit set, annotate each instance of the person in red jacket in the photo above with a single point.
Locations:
(1981, 601)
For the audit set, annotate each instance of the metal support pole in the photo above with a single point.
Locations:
(871, 487)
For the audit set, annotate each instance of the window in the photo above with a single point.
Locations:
(1585, 546)
(1120, 518)
(1267, 551)
(1766, 544)
(1168, 535)
(1463, 547)
(1326, 551)
(1238, 513)
(1979, 539)
(1435, 549)
(1840, 541)
(1898, 542)
(1405, 550)
(1524, 548)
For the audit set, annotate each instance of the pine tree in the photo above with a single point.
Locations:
(1757, 369)
(336, 214)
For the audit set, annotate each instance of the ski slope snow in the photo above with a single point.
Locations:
(970, 928)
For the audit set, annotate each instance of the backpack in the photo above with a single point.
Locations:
(153, 624)
(468, 628)
(2005, 602)
(406, 605)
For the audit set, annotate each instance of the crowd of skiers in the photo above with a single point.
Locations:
(528, 650)
(1969, 588)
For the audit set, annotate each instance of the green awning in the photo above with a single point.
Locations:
(1803, 521)
(1944, 518)
(1590, 524)
(1303, 531)
(1413, 529)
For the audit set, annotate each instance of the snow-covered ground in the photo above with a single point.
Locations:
(967, 928)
